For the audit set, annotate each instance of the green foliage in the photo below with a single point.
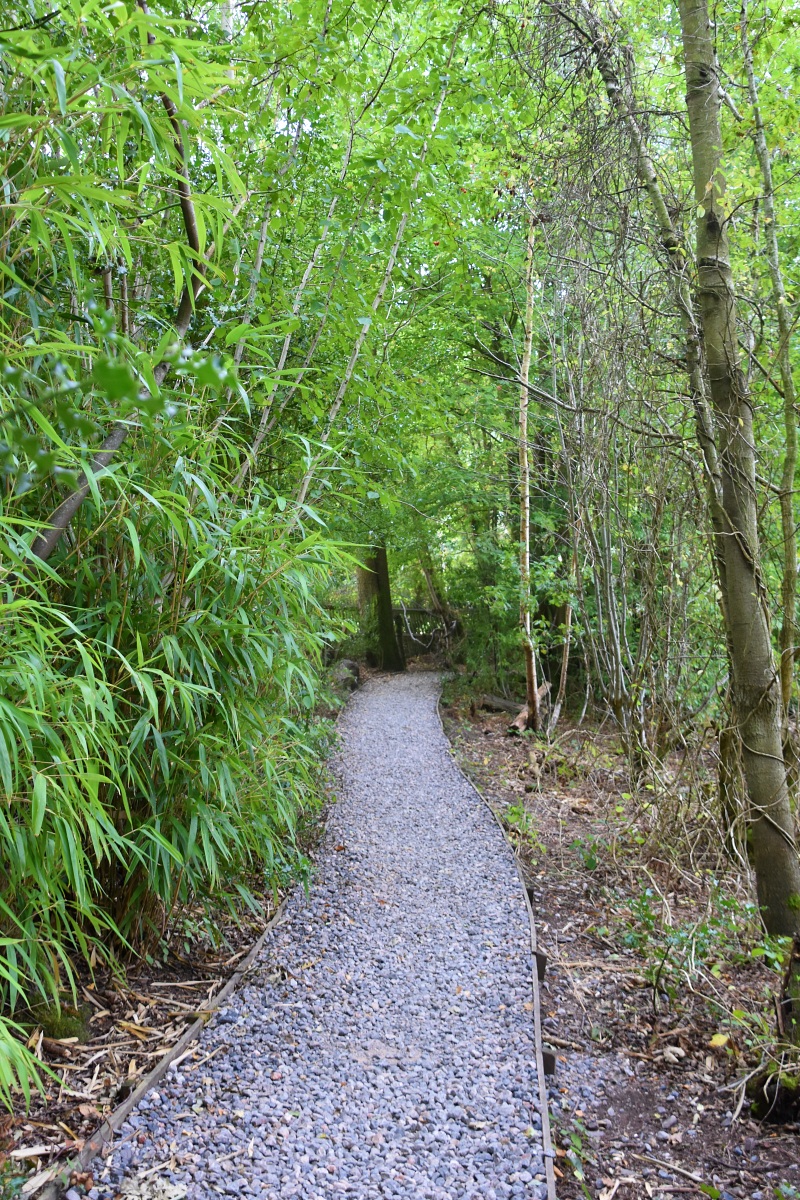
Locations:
(154, 736)
(579, 1153)
(159, 672)
(590, 850)
(678, 953)
(675, 951)
(19, 1070)
(521, 827)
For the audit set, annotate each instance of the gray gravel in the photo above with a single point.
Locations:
(383, 1046)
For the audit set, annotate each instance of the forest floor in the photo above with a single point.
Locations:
(655, 1001)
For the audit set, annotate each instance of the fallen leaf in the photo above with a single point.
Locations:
(674, 1054)
(142, 1032)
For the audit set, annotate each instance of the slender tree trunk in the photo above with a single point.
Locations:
(783, 355)
(620, 94)
(728, 454)
(436, 592)
(531, 686)
(562, 681)
(756, 686)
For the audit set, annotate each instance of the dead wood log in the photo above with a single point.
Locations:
(520, 722)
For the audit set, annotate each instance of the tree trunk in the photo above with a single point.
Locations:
(783, 355)
(732, 802)
(789, 1003)
(562, 680)
(375, 607)
(531, 690)
(756, 686)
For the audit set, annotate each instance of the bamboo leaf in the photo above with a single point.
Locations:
(61, 86)
(38, 804)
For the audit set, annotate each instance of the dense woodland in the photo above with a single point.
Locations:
(494, 305)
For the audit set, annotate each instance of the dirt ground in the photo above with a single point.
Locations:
(657, 1003)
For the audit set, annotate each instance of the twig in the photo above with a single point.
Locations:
(668, 1166)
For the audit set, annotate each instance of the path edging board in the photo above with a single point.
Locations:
(544, 1105)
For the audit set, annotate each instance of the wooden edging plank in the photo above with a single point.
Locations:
(544, 1104)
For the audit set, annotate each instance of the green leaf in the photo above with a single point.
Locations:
(61, 86)
(178, 75)
(137, 549)
(115, 379)
(38, 804)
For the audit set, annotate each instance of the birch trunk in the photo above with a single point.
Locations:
(783, 355)
(531, 690)
(756, 686)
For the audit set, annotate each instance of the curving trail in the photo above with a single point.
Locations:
(382, 1047)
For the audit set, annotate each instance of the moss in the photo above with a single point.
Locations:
(794, 902)
(60, 1023)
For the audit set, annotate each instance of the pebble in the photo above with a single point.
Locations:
(381, 1045)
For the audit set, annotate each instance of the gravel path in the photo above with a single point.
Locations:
(383, 1046)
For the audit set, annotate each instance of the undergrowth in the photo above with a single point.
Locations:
(159, 752)
(681, 907)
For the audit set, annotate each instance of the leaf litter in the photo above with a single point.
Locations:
(647, 1099)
